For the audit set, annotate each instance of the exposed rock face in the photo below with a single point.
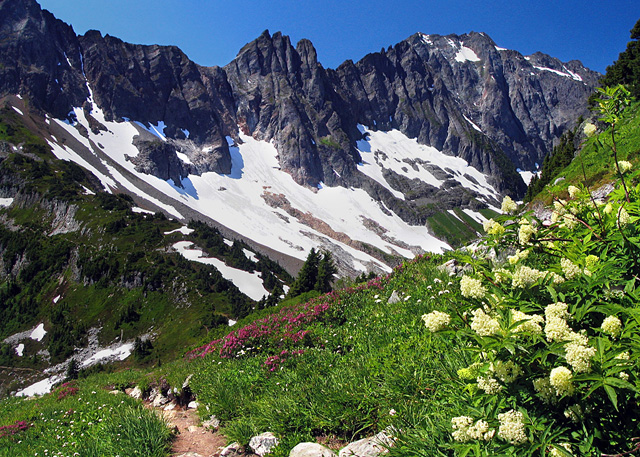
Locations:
(284, 94)
(460, 94)
(158, 158)
(463, 95)
(40, 58)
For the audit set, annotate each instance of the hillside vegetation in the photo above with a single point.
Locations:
(77, 259)
(529, 346)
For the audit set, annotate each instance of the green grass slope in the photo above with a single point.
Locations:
(593, 164)
(529, 346)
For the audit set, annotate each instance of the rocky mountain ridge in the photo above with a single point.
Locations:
(424, 86)
(460, 96)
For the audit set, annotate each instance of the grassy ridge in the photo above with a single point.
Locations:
(594, 164)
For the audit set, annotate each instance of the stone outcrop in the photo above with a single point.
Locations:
(368, 447)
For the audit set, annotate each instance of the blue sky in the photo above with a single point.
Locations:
(211, 32)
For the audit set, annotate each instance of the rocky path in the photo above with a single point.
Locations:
(192, 439)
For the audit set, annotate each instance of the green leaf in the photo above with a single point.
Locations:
(613, 396)
(620, 383)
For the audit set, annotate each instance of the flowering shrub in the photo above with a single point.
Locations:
(13, 429)
(67, 389)
(554, 335)
(283, 330)
(552, 330)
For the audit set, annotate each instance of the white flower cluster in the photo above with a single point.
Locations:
(570, 269)
(579, 356)
(555, 277)
(525, 276)
(556, 328)
(612, 326)
(501, 275)
(555, 452)
(517, 257)
(490, 385)
(465, 430)
(483, 324)
(569, 222)
(623, 356)
(525, 232)
(472, 288)
(561, 379)
(559, 212)
(624, 166)
(506, 371)
(558, 309)
(508, 205)
(623, 217)
(578, 353)
(511, 427)
(573, 191)
(527, 323)
(589, 129)
(493, 228)
(436, 320)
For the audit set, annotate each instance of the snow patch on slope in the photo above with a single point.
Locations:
(120, 352)
(527, 176)
(184, 230)
(256, 175)
(466, 54)
(249, 284)
(568, 74)
(38, 333)
(473, 124)
(395, 151)
(40, 387)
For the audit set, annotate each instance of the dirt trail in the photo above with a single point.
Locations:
(192, 440)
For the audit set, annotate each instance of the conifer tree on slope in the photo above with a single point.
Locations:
(626, 70)
(326, 270)
(316, 274)
(308, 274)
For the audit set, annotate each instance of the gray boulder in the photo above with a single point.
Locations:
(368, 447)
(311, 450)
(263, 443)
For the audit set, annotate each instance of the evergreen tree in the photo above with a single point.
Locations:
(239, 259)
(326, 270)
(553, 164)
(308, 275)
(142, 348)
(275, 295)
(72, 370)
(626, 70)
